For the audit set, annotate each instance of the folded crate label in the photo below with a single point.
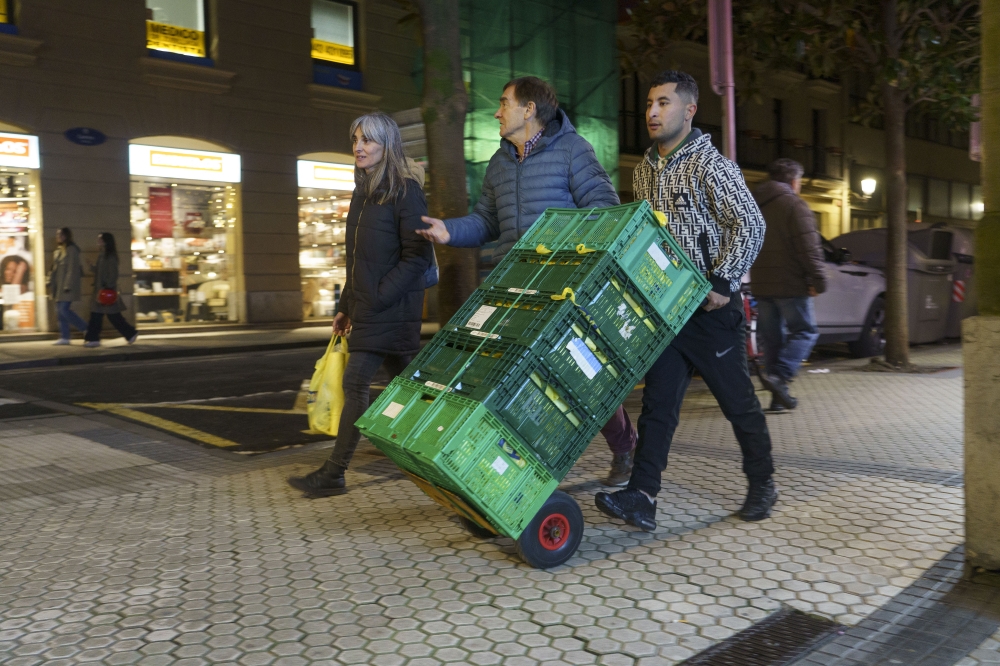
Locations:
(482, 314)
(515, 290)
(484, 334)
(584, 357)
(439, 387)
(393, 410)
(511, 453)
(499, 466)
(626, 330)
(658, 256)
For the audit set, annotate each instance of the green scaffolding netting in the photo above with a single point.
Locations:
(569, 43)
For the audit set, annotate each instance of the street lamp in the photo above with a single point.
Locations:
(868, 186)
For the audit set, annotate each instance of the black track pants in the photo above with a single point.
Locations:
(714, 344)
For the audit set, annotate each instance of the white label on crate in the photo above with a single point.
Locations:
(484, 334)
(393, 410)
(435, 385)
(482, 314)
(515, 290)
(626, 330)
(584, 357)
(499, 466)
(658, 256)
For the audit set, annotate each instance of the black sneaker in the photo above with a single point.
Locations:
(629, 505)
(779, 390)
(621, 469)
(777, 408)
(326, 481)
(761, 497)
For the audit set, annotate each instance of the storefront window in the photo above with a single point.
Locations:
(333, 31)
(185, 235)
(22, 284)
(177, 26)
(325, 190)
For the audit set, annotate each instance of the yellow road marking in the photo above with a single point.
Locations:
(162, 424)
(221, 408)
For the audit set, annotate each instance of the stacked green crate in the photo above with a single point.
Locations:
(457, 444)
(542, 354)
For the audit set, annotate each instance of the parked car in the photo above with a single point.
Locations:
(851, 310)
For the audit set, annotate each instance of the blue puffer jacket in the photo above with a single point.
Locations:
(561, 171)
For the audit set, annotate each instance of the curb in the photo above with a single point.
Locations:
(164, 353)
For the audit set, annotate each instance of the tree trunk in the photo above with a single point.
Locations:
(897, 332)
(443, 108)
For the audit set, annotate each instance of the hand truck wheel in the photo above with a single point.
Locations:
(554, 534)
(475, 529)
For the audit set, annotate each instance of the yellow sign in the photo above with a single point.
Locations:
(163, 158)
(333, 52)
(3, 11)
(164, 37)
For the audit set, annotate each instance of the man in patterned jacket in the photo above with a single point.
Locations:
(716, 220)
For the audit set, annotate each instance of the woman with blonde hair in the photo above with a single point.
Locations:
(382, 301)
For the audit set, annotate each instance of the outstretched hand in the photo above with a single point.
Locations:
(436, 232)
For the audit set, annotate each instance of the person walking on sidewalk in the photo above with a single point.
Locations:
(713, 216)
(786, 277)
(106, 280)
(541, 163)
(381, 304)
(64, 284)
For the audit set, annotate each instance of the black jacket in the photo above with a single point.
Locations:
(386, 260)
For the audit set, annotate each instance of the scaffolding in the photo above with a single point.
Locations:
(569, 43)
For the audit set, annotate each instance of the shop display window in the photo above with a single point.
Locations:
(21, 288)
(322, 238)
(177, 26)
(184, 250)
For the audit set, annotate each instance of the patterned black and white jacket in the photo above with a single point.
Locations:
(709, 209)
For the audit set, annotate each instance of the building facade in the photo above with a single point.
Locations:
(209, 136)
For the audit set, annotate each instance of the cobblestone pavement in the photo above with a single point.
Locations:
(120, 545)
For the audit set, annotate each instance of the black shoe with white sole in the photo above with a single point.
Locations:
(629, 505)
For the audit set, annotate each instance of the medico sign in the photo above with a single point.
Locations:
(19, 150)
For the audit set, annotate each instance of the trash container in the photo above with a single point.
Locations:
(929, 275)
(957, 243)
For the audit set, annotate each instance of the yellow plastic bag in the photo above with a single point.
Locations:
(326, 389)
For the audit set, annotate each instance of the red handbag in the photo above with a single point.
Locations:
(107, 296)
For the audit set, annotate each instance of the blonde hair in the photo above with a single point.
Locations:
(386, 180)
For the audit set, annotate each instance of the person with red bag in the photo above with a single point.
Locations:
(105, 299)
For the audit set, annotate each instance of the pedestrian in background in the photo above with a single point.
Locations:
(788, 274)
(381, 304)
(712, 215)
(541, 163)
(64, 284)
(106, 279)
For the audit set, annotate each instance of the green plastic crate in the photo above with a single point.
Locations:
(557, 421)
(457, 444)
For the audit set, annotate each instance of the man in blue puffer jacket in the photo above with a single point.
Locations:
(542, 163)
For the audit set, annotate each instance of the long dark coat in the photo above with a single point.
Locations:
(386, 261)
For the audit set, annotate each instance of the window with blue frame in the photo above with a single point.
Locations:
(334, 43)
(176, 26)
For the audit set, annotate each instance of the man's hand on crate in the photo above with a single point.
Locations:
(714, 301)
(437, 232)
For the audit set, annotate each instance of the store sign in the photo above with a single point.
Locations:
(165, 37)
(326, 175)
(3, 11)
(181, 163)
(331, 52)
(85, 136)
(19, 150)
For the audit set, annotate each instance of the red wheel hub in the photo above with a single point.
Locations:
(554, 531)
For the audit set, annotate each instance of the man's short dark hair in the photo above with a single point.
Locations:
(785, 170)
(533, 89)
(686, 85)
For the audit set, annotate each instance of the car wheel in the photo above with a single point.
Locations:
(872, 340)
